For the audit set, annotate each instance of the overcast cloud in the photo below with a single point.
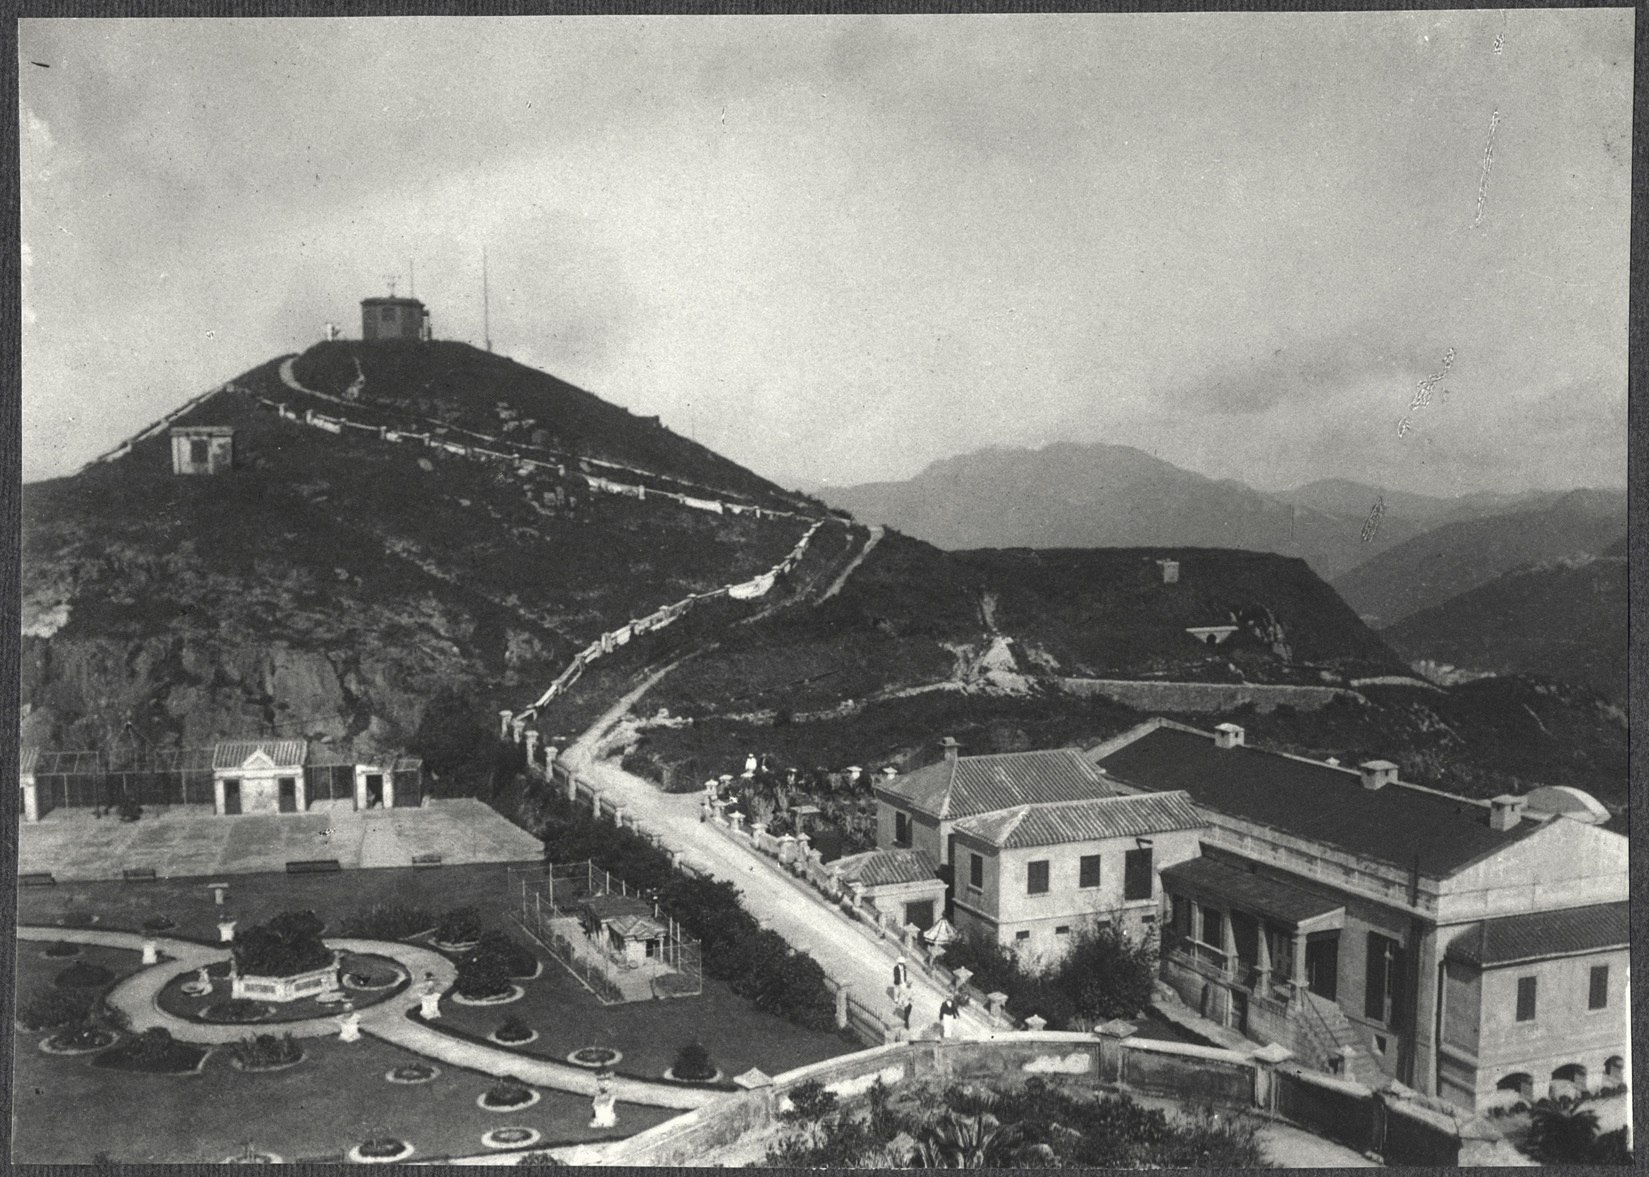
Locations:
(836, 249)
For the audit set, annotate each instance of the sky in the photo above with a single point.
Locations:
(836, 249)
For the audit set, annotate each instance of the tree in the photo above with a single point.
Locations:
(1562, 1130)
(285, 945)
(455, 738)
(1106, 975)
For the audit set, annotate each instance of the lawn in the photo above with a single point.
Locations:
(66, 1111)
(648, 1033)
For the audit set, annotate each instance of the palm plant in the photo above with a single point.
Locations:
(1562, 1129)
(968, 1135)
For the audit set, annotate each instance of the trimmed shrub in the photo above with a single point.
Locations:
(62, 948)
(693, 1063)
(508, 1093)
(513, 1030)
(388, 921)
(84, 975)
(461, 925)
(283, 946)
(52, 1009)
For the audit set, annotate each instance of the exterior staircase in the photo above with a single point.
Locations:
(1325, 1034)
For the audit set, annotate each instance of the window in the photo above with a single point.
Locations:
(920, 914)
(1087, 871)
(1380, 1044)
(1213, 928)
(1180, 916)
(901, 829)
(200, 451)
(1021, 935)
(1036, 877)
(1597, 996)
(1063, 930)
(1136, 874)
(1525, 999)
(1382, 982)
(976, 872)
(387, 314)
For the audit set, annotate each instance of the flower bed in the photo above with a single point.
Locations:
(507, 1097)
(595, 1057)
(712, 1077)
(254, 1158)
(236, 1011)
(512, 1137)
(412, 1073)
(61, 950)
(265, 1052)
(514, 1032)
(515, 994)
(381, 1150)
(80, 1040)
(84, 976)
(154, 1052)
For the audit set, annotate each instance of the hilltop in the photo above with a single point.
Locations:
(1430, 568)
(333, 583)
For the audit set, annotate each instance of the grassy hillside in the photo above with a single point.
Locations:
(1456, 557)
(331, 584)
(1564, 620)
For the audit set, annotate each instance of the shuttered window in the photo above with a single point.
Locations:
(1036, 877)
(1136, 874)
(1526, 999)
(1597, 996)
(1087, 874)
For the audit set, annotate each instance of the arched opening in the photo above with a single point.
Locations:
(1520, 1083)
(1569, 1079)
(1212, 639)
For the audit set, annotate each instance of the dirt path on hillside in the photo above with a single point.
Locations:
(876, 533)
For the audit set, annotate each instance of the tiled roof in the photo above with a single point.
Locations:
(637, 927)
(27, 756)
(1543, 934)
(980, 784)
(1397, 825)
(607, 907)
(1226, 884)
(1085, 821)
(882, 868)
(284, 753)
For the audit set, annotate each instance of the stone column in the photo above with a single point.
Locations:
(217, 795)
(1262, 983)
(504, 718)
(1228, 933)
(857, 890)
(787, 849)
(595, 802)
(908, 934)
(619, 815)
(226, 931)
(1297, 980)
(533, 737)
(572, 788)
(737, 819)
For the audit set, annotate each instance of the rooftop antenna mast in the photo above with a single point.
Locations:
(486, 309)
(391, 279)
(412, 280)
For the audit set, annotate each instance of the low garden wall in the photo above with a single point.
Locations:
(1198, 1075)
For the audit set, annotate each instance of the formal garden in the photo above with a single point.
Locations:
(85, 1089)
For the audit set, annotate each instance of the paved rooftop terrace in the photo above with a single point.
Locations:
(185, 841)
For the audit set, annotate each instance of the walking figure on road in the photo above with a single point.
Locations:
(948, 1015)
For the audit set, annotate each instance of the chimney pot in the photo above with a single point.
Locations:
(1228, 735)
(950, 746)
(1505, 811)
(1377, 773)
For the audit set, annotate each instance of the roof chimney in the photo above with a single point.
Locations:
(1228, 735)
(950, 746)
(1377, 773)
(888, 773)
(1505, 811)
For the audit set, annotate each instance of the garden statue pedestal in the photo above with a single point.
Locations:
(429, 1006)
(151, 952)
(604, 1105)
(226, 931)
(201, 985)
(349, 1027)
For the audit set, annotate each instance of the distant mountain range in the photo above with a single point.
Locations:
(1068, 495)
(1565, 619)
(1456, 557)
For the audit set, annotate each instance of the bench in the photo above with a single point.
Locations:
(312, 866)
(426, 860)
(40, 878)
(134, 873)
